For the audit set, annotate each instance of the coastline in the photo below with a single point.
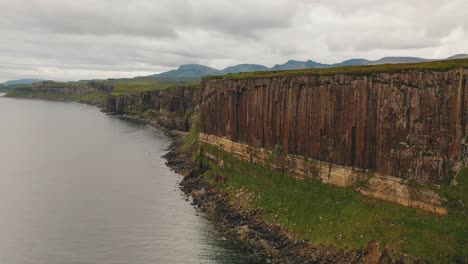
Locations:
(270, 242)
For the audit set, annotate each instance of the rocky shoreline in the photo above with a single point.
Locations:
(269, 242)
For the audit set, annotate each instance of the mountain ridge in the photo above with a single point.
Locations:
(195, 71)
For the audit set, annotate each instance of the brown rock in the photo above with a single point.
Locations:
(406, 124)
(373, 252)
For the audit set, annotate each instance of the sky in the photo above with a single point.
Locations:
(88, 39)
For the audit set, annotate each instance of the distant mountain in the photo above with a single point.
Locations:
(353, 62)
(188, 71)
(195, 71)
(294, 65)
(21, 82)
(245, 68)
(385, 60)
(458, 56)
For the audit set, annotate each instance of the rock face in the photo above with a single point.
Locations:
(171, 107)
(411, 124)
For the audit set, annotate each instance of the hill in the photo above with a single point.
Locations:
(21, 82)
(196, 71)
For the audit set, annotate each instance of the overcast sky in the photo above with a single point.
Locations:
(83, 39)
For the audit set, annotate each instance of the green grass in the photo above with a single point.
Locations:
(17, 93)
(95, 98)
(120, 87)
(330, 215)
(192, 138)
(142, 84)
(352, 70)
(457, 195)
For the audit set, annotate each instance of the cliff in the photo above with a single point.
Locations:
(71, 88)
(92, 92)
(171, 108)
(342, 127)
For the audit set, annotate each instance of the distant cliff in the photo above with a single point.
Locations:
(79, 88)
(92, 92)
(171, 108)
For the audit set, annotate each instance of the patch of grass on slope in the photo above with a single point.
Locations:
(17, 93)
(192, 138)
(330, 215)
(95, 98)
(142, 84)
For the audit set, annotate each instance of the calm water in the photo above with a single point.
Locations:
(77, 186)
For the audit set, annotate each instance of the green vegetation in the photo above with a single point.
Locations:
(139, 109)
(457, 195)
(18, 93)
(352, 70)
(142, 84)
(192, 138)
(95, 98)
(79, 91)
(330, 215)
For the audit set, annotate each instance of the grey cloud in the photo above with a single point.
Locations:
(63, 39)
(149, 18)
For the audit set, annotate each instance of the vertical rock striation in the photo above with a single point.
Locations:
(410, 124)
(171, 107)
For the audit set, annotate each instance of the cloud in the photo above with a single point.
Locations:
(70, 40)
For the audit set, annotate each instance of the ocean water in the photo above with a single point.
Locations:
(78, 186)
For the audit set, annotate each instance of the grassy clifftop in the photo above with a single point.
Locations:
(352, 70)
(143, 84)
(94, 98)
(95, 91)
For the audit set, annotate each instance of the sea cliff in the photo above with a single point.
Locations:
(170, 108)
(290, 162)
(386, 129)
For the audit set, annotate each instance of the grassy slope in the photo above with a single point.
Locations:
(91, 98)
(139, 84)
(120, 86)
(353, 70)
(330, 215)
